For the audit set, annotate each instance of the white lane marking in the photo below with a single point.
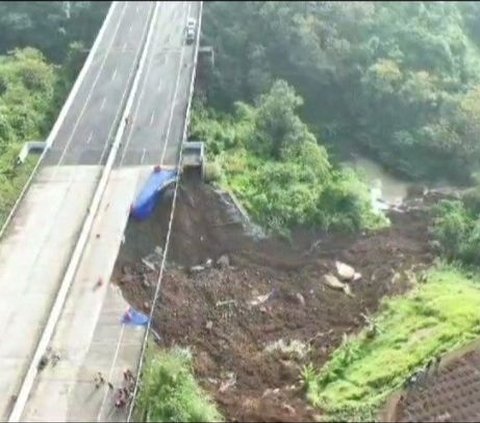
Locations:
(152, 117)
(90, 137)
(120, 109)
(114, 74)
(97, 77)
(130, 27)
(124, 47)
(174, 100)
(103, 103)
(142, 91)
(143, 156)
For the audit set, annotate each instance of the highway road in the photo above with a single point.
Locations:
(38, 243)
(159, 106)
(88, 335)
(89, 127)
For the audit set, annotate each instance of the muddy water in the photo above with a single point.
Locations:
(386, 190)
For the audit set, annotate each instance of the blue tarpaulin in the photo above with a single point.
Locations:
(151, 193)
(133, 317)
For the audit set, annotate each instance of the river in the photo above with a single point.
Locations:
(386, 190)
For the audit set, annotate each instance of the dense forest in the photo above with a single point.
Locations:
(42, 48)
(398, 81)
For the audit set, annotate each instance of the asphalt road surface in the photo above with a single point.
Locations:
(158, 116)
(89, 126)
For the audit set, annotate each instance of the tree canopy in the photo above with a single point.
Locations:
(398, 81)
(49, 26)
(273, 162)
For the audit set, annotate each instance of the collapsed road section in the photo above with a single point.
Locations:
(89, 337)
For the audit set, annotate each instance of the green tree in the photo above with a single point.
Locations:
(395, 80)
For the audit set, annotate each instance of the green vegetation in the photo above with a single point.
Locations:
(434, 318)
(28, 97)
(456, 227)
(50, 27)
(397, 80)
(170, 393)
(32, 89)
(271, 160)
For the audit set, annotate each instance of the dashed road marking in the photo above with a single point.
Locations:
(90, 137)
(103, 103)
(114, 74)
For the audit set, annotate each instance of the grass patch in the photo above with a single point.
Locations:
(12, 180)
(435, 317)
(170, 392)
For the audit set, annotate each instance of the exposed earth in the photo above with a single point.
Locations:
(255, 317)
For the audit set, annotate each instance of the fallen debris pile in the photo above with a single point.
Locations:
(254, 311)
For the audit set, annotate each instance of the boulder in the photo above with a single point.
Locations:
(223, 261)
(300, 298)
(196, 269)
(333, 282)
(357, 276)
(344, 271)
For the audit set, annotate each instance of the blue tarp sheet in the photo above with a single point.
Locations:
(145, 203)
(133, 317)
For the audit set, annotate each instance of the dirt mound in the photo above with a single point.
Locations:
(253, 323)
(452, 394)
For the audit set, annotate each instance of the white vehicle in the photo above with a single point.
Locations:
(190, 30)
(191, 23)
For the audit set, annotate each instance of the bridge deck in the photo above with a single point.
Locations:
(33, 257)
(84, 336)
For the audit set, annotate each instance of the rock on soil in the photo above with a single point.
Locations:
(344, 271)
(223, 261)
(333, 282)
(231, 338)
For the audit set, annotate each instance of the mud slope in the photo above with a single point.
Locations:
(224, 315)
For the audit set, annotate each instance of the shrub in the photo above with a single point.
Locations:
(170, 393)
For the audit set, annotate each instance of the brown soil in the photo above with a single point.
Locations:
(450, 395)
(210, 310)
